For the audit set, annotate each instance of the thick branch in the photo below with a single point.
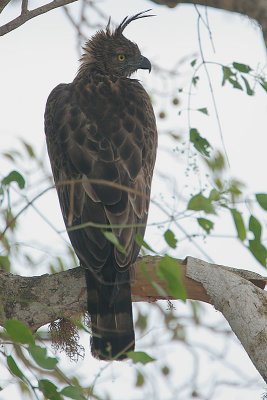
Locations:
(236, 293)
(26, 15)
(255, 9)
(3, 4)
(39, 300)
(243, 304)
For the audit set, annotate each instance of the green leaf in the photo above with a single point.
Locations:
(73, 392)
(193, 62)
(18, 332)
(262, 200)
(140, 380)
(114, 240)
(201, 203)
(200, 143)
(170, 238)
(140, 357)
(11, 220)
(195, 80)
(227, 73)
(14, 369)
(206, 224)
(48, 389)
(263, 84)
(250, 92)
(218, 182)
(235, 83)
(28, 148)
(2, 194)
(141, 242)
(239, 224)
(242, 67)
(161, 292)
(258, 250)
(5, 263)
(214, 195)
(39, 354)
(12, 155)
(60, 263)
(235, 188)
(14, 176)
(255, 227)
(216, 163)
(169, 271)
(203, 110)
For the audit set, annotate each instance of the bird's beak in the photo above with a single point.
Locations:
(144, 63)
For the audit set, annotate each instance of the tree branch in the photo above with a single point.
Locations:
(242, 303)
(24, 6)
(26, 15)
(3, 4)
(256, 9)
(238, 294)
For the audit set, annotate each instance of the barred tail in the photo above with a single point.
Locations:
(110, 309)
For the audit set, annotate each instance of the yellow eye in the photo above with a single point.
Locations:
(121, 57)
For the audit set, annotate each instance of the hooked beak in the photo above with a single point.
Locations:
(144, 63)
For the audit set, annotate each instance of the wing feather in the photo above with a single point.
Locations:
(102, 129)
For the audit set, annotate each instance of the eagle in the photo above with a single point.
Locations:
(102, 140)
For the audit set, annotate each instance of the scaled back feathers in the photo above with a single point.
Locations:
(101, 127)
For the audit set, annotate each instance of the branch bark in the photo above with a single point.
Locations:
(26, 15)
(238, 294)
(3, 4)
(255, 9)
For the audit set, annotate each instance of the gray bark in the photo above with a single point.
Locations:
(238, 294)
(242, 303)
(26, 14)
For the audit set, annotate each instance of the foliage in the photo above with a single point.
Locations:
(32, 357)
(226, 193)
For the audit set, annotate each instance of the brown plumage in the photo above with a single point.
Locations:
(102, 127)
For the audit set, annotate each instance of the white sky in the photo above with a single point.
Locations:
(42, 53)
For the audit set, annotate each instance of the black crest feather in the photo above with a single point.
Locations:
(126, 21)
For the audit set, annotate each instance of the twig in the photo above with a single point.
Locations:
(27, 15)
(23, 209)
(3, 4)
(210, 87)
(24, 7)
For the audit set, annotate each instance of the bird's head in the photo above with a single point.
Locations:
(111, 53)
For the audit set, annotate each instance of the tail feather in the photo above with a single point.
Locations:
(110, 309)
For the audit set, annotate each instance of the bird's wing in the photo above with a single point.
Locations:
(102, 130)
